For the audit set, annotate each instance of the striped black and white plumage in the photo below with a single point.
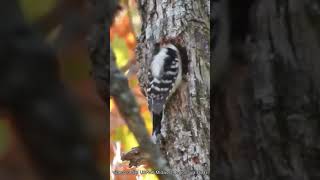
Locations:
(164, 78)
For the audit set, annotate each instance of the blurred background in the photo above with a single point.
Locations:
(73, 56)
(72, 53)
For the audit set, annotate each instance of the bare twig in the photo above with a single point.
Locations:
(136, 157)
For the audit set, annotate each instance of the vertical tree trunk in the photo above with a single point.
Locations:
(267, 111)
(186, 124)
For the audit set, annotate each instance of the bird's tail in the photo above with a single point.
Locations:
(156, 117)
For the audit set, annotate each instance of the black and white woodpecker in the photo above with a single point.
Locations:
(164, 75)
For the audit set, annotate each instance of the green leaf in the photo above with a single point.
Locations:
(121, 51)
(125, 136)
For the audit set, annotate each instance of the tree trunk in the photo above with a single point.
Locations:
(186, 124)
(267, 109)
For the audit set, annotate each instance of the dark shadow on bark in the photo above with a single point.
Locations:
(266, 107)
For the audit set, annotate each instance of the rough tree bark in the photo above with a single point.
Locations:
(267, 109)
(186, 124)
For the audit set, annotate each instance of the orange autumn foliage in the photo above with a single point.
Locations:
(131, 40)
(121, 25)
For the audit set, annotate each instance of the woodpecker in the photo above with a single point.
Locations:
(164, 76)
